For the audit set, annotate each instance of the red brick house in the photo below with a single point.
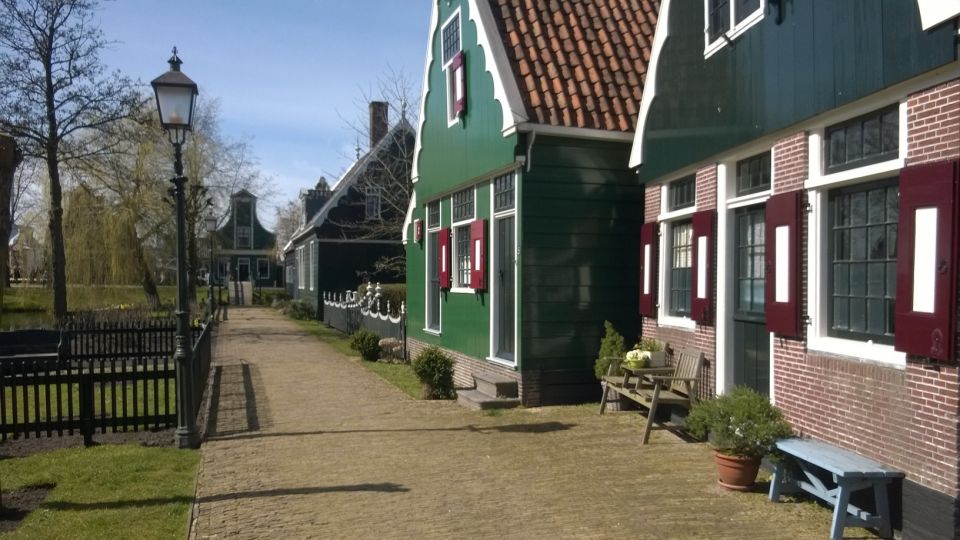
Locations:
(801, 165)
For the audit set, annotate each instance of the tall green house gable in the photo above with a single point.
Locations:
(520, 233)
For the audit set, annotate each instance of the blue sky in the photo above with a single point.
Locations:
(286, 72)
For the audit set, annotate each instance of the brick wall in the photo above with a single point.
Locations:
(703, 338)
(933, 123)
(908, 418)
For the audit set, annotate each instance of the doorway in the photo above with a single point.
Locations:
(243, 269)
(751, 341)
(504, 267)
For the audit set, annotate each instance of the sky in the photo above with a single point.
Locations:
(287, 73)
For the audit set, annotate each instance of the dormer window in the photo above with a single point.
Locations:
(725, 20)
(372, 202)
(454, 67)
(243, 236)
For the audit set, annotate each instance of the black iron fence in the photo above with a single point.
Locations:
(349, 312)
(103, 376)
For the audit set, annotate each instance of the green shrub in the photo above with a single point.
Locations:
(435, 371)
(741, 423)
(611, 350)
(367, 344)
(301, 310)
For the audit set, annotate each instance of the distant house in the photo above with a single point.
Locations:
(521, 236)
(800, 162)
(341, 236)
(246, 248)
(26, 254)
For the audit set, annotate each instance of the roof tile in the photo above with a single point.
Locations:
(579, 63)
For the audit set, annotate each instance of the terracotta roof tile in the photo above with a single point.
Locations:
(579, 63)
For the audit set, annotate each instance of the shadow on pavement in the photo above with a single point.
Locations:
(543, 427)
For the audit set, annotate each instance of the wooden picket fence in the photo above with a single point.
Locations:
(105, 376)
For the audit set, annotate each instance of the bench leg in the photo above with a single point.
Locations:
(652, 415)
(840, 512)
(883, 509)
(603, 399)
(778, 474)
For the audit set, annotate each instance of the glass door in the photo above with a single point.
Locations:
(750, 337)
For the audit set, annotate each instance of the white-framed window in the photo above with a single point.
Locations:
(289, 275)
(725, 20)
(463, 211)
(853, 224)
(243, 236)
(432, 322)
(312, 265)
(372, 202)
(263, 269)
(451, 47)
(502, 280)
(300, 270)
(678, 203)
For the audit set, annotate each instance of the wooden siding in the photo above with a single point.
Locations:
(582, 212)
(823, 55)
(450, 156)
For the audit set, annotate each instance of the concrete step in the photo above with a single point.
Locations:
(473, 399)
(496, 386)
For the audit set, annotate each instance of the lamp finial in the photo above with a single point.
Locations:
(175, 61)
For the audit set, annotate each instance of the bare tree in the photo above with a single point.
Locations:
(10, 158)
(53, 89)
(286, 223)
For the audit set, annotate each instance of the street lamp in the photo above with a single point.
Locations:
(210, 224)
(176, 96)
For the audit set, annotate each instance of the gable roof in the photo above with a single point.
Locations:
(579, 63)
(352, 175)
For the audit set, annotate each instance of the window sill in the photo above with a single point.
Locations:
(712, 47)
(873, 352)
(867, 172)
(462, 290)
(505, 363)
(431, 331)
(677, 214)
(681, 323)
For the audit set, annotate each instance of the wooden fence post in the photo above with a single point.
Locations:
(86, 406)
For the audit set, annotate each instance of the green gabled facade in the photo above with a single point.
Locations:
(246, 250)
(567, 239)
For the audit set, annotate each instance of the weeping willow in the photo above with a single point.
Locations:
(101, 242)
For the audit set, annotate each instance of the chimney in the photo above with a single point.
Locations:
(378, 121)
(313, 200)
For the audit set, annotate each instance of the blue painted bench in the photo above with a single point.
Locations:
(851, 472)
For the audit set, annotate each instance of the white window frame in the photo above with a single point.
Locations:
(431, 256)
(249, 242)
(818, 187)
(458, 287)
(448, 74)
(377, 193)
(491, 250)
(259, 275)
(311, 265)
(665, 221)
(735, 30)
(300, 272)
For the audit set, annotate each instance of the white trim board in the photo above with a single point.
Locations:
(505, 89)
(660, 36)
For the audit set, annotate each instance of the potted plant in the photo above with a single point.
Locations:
(742, 427)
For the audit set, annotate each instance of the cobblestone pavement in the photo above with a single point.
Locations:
(306, 443)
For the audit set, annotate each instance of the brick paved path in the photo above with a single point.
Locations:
(308, 444)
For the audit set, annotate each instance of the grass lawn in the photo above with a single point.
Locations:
(80, 298)
(117, 491)
(399, 375)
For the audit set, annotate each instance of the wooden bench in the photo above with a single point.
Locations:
(655, 386)
(851, 472)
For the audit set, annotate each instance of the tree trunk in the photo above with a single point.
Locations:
(143, 268)
(58, 255)
(9, 159)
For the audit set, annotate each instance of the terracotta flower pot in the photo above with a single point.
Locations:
(736, 472)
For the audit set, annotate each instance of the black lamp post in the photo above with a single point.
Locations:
(210, 224)
(176, 95)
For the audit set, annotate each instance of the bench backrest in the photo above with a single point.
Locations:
(687, 364)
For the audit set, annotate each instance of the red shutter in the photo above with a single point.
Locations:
(648, 269)
(927, 255)
(443, 257)
(478, 254)
(458, 84)
(418, 230)
(782, 269)
(701, 303)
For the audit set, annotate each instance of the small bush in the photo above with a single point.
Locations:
(301, 310)
(742, 423)
(435, 371)
(611, 350)
(367, 344)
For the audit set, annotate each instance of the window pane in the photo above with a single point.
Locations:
(744, 8)
(682, 193)
(871, 137)
(451, 39)
(858, 320)
(854, 142)
(463, 205)
(875, 316)
(719, 18)
(837, 147)
(890, 131)
(680, 267)
(860, 141)
(840, 314)
(503, 193)
(753, 174)
(433, 214)
(463, 256)
(841, 279)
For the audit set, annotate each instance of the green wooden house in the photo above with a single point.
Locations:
(521, 234)
(800, 162)
(246, 248)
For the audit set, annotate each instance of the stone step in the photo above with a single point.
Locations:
(496, 386)
(473, 399)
